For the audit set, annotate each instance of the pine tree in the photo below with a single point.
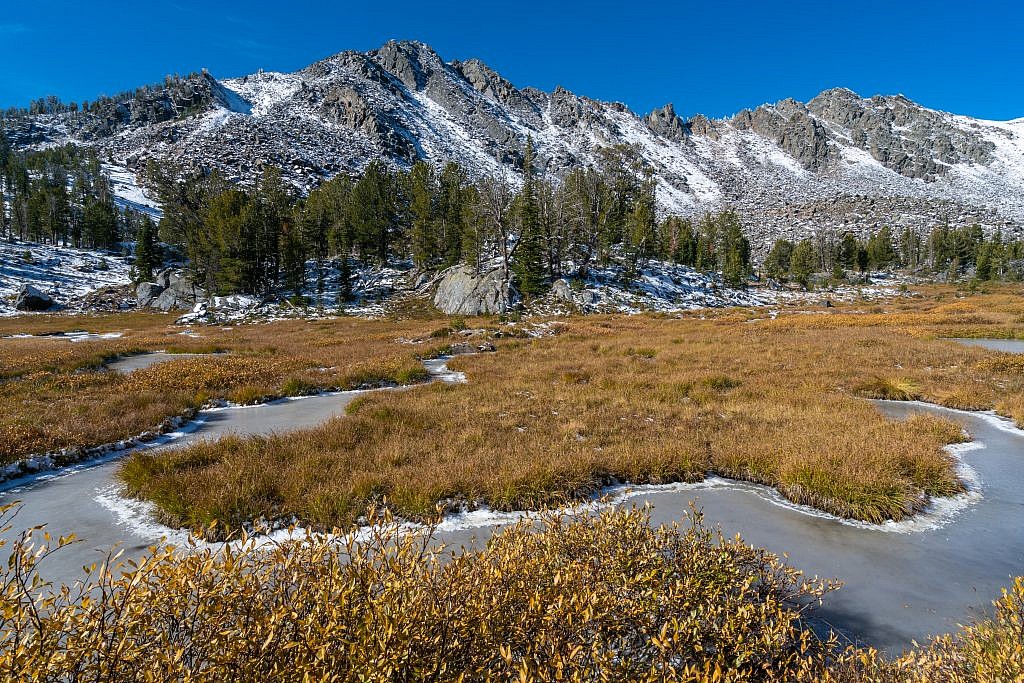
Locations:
(316, 224)
(881, 253)
(528, 261)
(910, 248)
(99, 223)
(777, 263)
(735, 250)
(983, 269)
(641, 227)
(803, 262)
(373, 212)
(147, 251)
(293, 256)
(477, 229)
(230, 269)
(679, 241)
(451, 213)
(344, 278)
(707, 242)
(425, 248)
(272, 205)
(848, 251)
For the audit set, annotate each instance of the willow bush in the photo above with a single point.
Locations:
(557, 597)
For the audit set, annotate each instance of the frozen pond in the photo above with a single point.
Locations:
(84, 499)
(1006, 345)
(139, 361)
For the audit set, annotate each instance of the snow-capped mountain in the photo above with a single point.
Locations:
(837, 162)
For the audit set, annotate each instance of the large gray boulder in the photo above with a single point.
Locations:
(147, 292)
(179, 293)
(31, 299)
(463, 291)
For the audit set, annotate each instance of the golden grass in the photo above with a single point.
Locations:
(615, 399)
(55, 394)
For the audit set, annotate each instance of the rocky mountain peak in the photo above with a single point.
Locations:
(666, 123)
(411, 62)
(839, 161)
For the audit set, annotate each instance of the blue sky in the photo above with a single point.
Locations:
(708, 57)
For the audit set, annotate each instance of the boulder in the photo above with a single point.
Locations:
(147, 292)
(462, 291)
(561, 290)
(164, 277)
(180, 294)
(31, 299)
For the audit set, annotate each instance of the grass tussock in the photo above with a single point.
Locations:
(560, 597)
(890, 389)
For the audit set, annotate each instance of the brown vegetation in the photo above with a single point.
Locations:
(55, 394)
(557, 598)
(562, 598)
(638, 399)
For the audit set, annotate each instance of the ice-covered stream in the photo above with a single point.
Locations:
(903, 581)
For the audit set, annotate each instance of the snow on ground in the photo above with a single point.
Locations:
(128, 194)
(660, 287)
(373, 289)
(262, 91)
(65, 274)
(668, 288)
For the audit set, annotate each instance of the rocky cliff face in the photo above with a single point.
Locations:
(839, 162)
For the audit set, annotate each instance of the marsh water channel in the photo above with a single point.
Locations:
(902, 581)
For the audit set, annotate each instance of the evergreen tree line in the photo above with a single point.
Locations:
(954, 252)
(60, 196)
(51, 104)
(260, 239)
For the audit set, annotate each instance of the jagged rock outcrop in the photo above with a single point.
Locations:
(345, 106)
(903, 136)
(790, 126)
(30, 299)
(667, 124)
(492, 85)
(463, 291)
(704, 127)
(565, 109)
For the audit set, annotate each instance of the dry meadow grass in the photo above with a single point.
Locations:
(573, 598)
(630, 399)
(55, 394)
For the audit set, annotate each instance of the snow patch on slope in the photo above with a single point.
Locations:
(263, 91)
(66, 274)
(128, 194)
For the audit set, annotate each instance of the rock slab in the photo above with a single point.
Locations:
(31, 299)
(463, 291)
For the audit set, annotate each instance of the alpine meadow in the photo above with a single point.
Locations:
(386, 368)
